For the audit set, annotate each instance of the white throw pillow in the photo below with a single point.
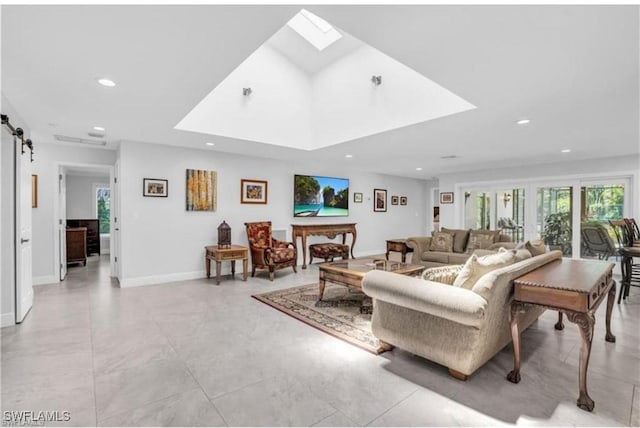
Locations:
(476, 267)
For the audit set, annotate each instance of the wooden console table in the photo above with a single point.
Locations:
(328, 230)
(236, 252)
(575, 287)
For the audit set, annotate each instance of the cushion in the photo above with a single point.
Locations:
(436, 257)
(476, 267)
(441, 241)
(481, 239)
(460, 238)
(523, 254)
(443, 274)
(536, 247)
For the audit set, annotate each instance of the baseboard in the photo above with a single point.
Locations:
(7, 320)
(160, 279)
(370, 253)
(47, 279)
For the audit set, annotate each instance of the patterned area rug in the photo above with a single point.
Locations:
(343, 312)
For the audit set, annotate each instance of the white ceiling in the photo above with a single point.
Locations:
(573, 70)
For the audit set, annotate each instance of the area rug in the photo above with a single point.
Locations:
(343, 312)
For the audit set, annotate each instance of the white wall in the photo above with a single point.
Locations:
(81, 201)
(451, 214)
(161, 241)
(47, 160)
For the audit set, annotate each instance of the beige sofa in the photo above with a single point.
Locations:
(425, 256)
(456, 327)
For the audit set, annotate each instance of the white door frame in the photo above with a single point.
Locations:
(23, 230)
(56, 208)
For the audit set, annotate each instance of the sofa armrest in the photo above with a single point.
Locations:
(419, 244)
(441, 300)
(506, 245)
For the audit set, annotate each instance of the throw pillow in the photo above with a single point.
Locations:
(536, 247)
(476, 267)
(523, 254)
(481, 239)
(441, 241)
(460, 238)
(442, 274)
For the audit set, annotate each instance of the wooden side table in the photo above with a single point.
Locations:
(236, 252)
(573, 287)
(399, 246)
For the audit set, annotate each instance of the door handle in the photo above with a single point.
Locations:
(22, 241)
(117, 229)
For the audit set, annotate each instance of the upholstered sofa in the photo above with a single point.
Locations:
(457, 327)
(428, 253)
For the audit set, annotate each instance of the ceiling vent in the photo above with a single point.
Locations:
(80, 140)
(95, 134)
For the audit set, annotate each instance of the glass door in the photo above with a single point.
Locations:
(599, 203)
(554, 217)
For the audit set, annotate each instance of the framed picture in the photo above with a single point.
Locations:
(379, 200)
(394, 200)
(446, 197)
(403, 200)
(34, 191)
(253, 191)
(201, 190)
(155, 187)
(357, 198)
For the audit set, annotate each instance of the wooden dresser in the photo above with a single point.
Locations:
(93, 233)
(77, 245)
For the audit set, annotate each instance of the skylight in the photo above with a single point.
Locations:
(314, 29)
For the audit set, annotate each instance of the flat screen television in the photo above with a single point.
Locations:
(316, 196)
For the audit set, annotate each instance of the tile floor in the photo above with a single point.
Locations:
(195, 354)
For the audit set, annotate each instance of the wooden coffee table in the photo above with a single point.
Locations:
(350, 272)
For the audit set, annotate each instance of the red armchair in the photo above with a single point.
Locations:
(267, 252)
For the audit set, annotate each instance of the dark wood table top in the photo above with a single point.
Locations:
(578, 276)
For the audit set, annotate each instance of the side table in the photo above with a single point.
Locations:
(399, 246)
(236, 252)
(575, 288)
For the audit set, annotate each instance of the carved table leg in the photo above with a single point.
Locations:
(514, 375)
(321, 285)
(610, 299)
(585, 322)
(218, 269)
(304, 251)
(559, 325)
(233, 269)
(207, 266)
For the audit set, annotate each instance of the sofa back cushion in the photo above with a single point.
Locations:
(441, 241)
(476, 267)
(536, 247)
(460, 238)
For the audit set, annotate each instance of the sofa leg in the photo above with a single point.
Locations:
(384, 346)
(460, 376)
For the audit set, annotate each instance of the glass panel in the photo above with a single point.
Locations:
(477, 209)
(598, 205)
(510, 213)
(553, 217)
(103, 199)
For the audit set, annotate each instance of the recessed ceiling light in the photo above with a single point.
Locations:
(418, 169)
(210, 144)
(107, 82)
(565, 151)
(348, 156)
(98, 128)
(523, 121)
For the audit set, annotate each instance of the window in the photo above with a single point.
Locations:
(103, 203)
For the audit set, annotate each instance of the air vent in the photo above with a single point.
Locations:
(449, 157)
(95, 134)
(80, 140)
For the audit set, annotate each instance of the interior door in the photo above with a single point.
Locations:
(62, 221)
(24, 267)
(115, 221)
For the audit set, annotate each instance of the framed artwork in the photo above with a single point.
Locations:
(403, 200)
(201, 190)
(155, 187)
(357, 198)
(446, 197)
(379, 200)
(253, 191)
(34, 191)
(394, 200)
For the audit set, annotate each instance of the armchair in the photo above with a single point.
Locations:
(268, 252)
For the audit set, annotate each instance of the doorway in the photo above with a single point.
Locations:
(84, 217)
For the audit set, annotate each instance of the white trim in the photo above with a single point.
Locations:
(161, 279)
(47, 279)
(7, 320)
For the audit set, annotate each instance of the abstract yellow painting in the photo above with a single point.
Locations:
(201, 190)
